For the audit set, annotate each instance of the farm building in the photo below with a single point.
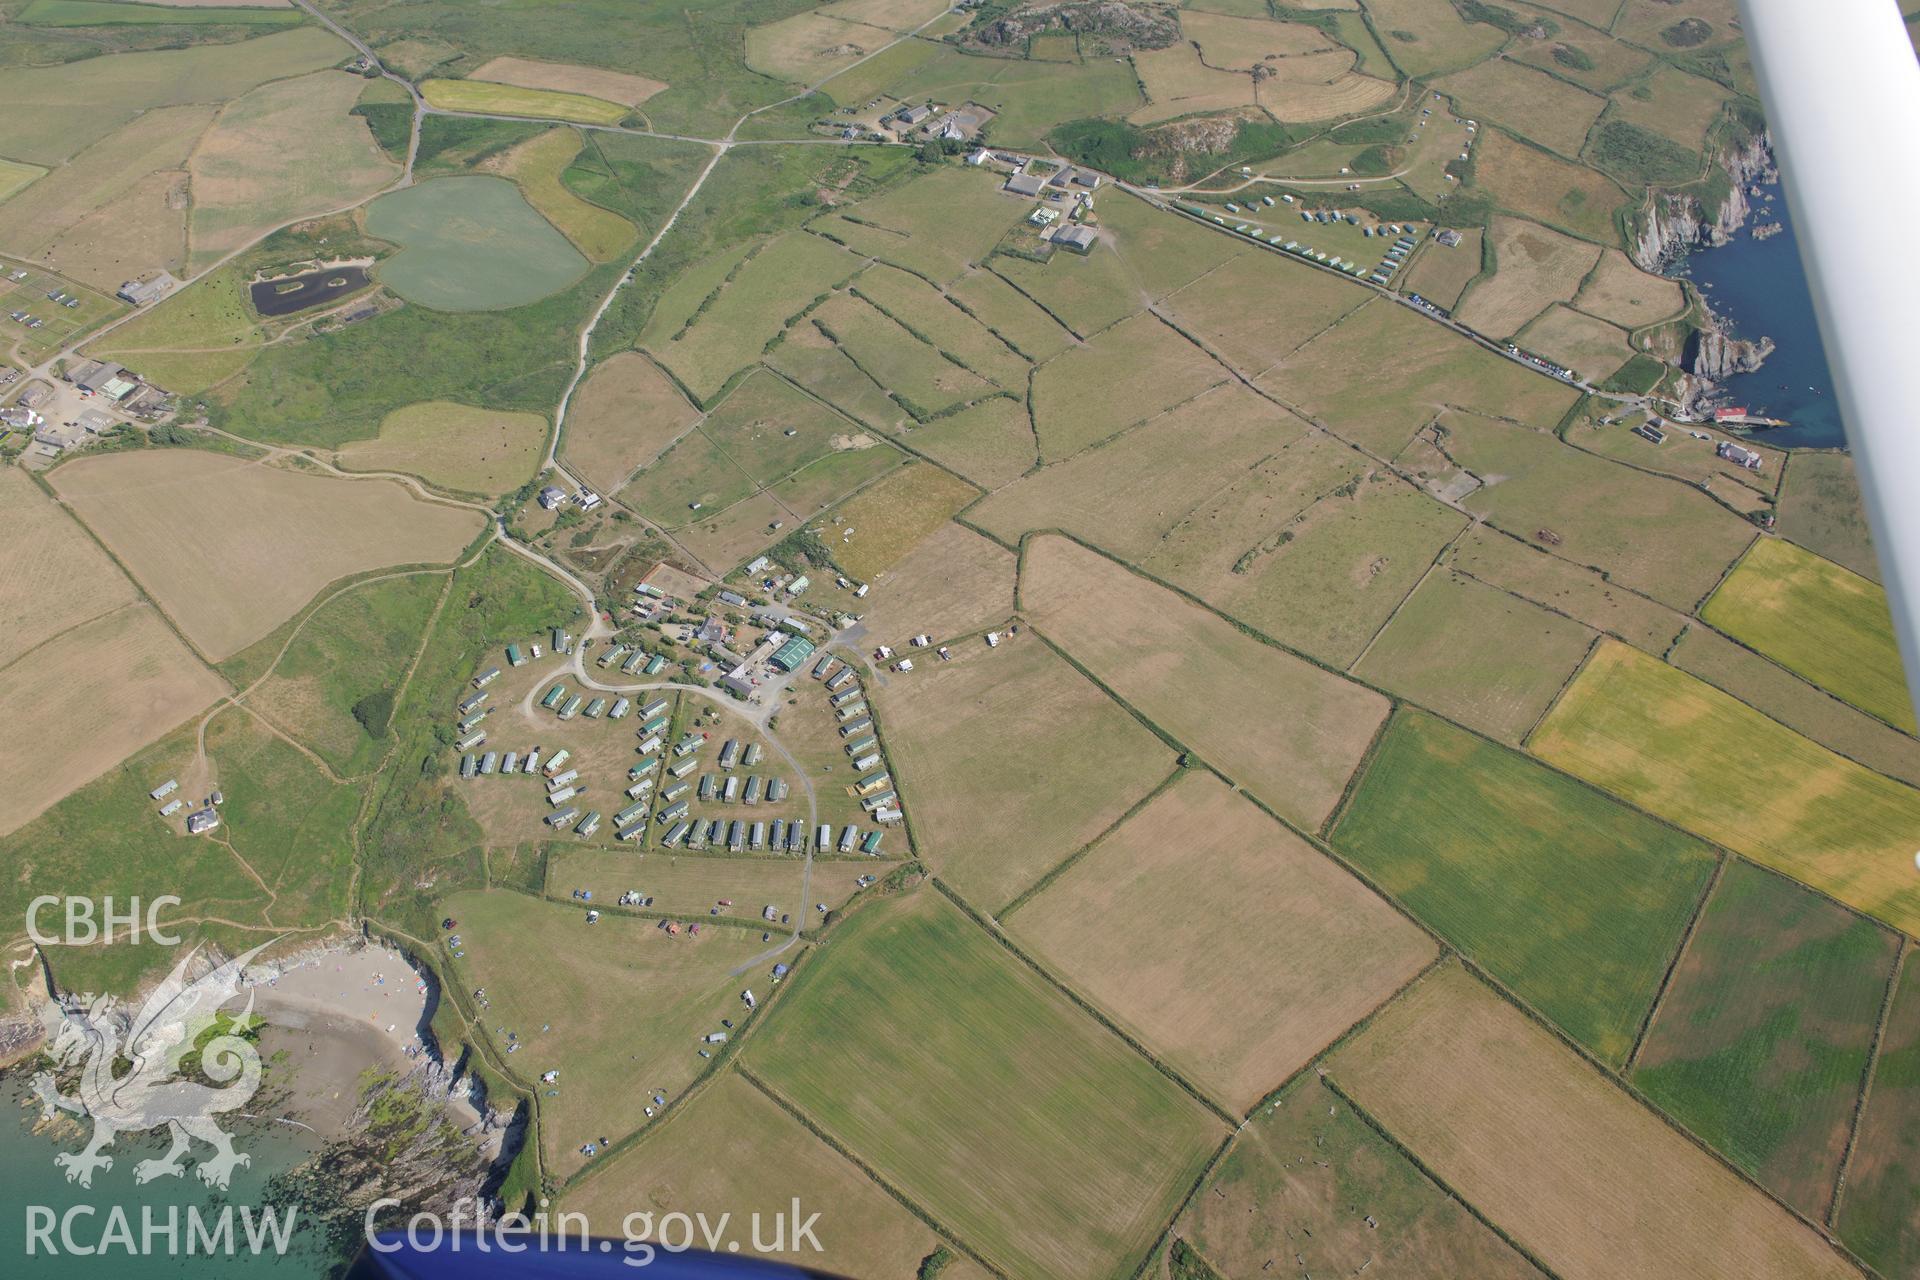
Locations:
(790, 655)
(1738, 455)
(148, 290)
(202, 820)
(551, 498)
(1026, 184)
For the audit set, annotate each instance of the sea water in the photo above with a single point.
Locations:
(1756, 288)
(32, 1184)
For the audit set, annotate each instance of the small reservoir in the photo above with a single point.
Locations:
(289, 294)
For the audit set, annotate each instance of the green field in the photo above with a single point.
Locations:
(1819, 620)
(1642, 730)
(1761, 1042)
(14, 175)
(98, 13)
(1883, 1179)
(470, 243)
(1133, 371)
(980, 1091)
(1576, 903)
(934, 226)
(512, 100)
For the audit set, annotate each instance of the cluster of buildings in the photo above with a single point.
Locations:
(201, 820)
(860, 740)
(1067, 185)
(1396, 257)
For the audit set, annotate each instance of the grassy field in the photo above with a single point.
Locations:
(1617, 520)
(1287, 731)
(57, 111)
(809, 47)
(990, 443)
(199, 336)
(569, 78)
(1319, 568)
(618, 1011)
(883, 523)
(231, 549)
(812, 359)
(1800, 706)
(512, 100)
(1761, 1043)
(681, 884)
(1533, 268)
(948, 327)
(1424, 40)
(454, 446)
(470, 243)
(1567, 1164)
(1575, 902)
(89, 698)
(729, 327)
(1178, 83)
(1475, 653)
(1817, 619)
(1017, 1120)
(953, 583)
(1290, 1185)
(934, 226)
(734, 1151)
(285, 149)
(1529, 571)
(538, 165)
(1585, 57)
(1016, 318)
(1084, 293)
(1228, 309)
(919, 378)
(333, 687)
(54, 576)
(625, 413)
(1533, 104)
(1673, 104)
(1623, 293)
(1379, 375)
(1883, 1178)
(15, 175)
(1820, 509)
(1132, 371)
(94, 13)
(1128, 493)
(1639, 728)
(966, 740)
(1441, 274)
(1592, 348)
(1326, 948)
(1030, 97)
(1536, 184)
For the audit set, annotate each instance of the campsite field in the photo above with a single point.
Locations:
(454, 446)
(87, 699)
(513, 100)
(1820, 510)
(1575, 902)
(1289, 1188)
(624, 414)
(470, 243)
(618, 1008)
(1762, 1038)
(1802, 707)
(1440, 274)
(1534, 267)
(1623, 293)
(1342, 379)
(1566, 1163)
(954, 582)
(1289, 732)
(285, 149)
(1819, 620)
(54, 576)
(1550, 111)
(1537, 184)
(1327, 949)
(569, 78)
(1488, 659)
(1128, 373)
(333, 688)
(537, 165)
(1016, 1119)
(1637, 727)
(967, 738)
(733, 1150)
(232, 549)
(881, 525)
(1883, 1177)
(681, 884)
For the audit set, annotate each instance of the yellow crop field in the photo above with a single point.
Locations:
(512, 100)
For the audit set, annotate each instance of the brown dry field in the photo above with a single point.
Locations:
(1533, 268)
(223, 4)
(624, 415)
(1010, 760)
(1130, 372)
(232, 549)
(1572, 589)
(879, 526)
(991, 444)
(809, 47)
(1239, 43)
(1441, 274)
(1623, 293)
(97, 178)
(1532, 103)
(1592, 348)
(1126, 494)
(1284, 729)
(1177, 83)
(52, 575)
(895, 15)
(724, 539)
(1681, 108)
(1297, 950)
(566, 77)
(733, 1150)
(1537, 185)
(1313, 100)
(142, 228)
(686, 884)
(953, 583)
(1572, 1168)
(77, 708)
(1232, 310)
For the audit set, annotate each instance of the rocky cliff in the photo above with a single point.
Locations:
(1714, 355)
(1673, 223)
